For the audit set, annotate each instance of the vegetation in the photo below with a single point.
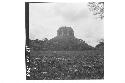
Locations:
(64, 65)
(97, 8)
(100, 46)
(60, 44)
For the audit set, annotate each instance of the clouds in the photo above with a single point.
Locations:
(79, 15)
(46, 18)
(72, 11)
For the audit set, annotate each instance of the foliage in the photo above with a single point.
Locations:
(60, 44)
(48, 64)
(100, 45)
(97, 8)
(66, 66)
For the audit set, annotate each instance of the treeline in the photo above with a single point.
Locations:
(62, 45)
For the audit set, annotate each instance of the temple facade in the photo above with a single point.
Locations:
(65, 32)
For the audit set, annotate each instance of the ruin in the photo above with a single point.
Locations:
(65, 32)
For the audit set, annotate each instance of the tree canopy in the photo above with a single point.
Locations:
(60, 44)
(97, 8)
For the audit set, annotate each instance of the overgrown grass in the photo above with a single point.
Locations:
(66, 65)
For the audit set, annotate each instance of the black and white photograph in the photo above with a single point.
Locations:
(64, 41)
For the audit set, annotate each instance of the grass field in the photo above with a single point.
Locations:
(66, 65)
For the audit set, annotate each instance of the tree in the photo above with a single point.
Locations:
(100, 45)
(97, 8)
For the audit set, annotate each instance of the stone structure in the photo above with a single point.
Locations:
(66, 41)
(65, 32)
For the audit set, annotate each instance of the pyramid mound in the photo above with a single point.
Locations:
(65, 40)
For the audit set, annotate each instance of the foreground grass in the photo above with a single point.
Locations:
(66, 65)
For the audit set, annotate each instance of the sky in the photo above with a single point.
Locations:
(46, 18)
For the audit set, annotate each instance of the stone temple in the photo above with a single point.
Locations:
(65, 32)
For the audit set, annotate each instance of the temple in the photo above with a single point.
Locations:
(65, 32)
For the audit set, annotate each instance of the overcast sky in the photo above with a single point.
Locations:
(46, 18)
